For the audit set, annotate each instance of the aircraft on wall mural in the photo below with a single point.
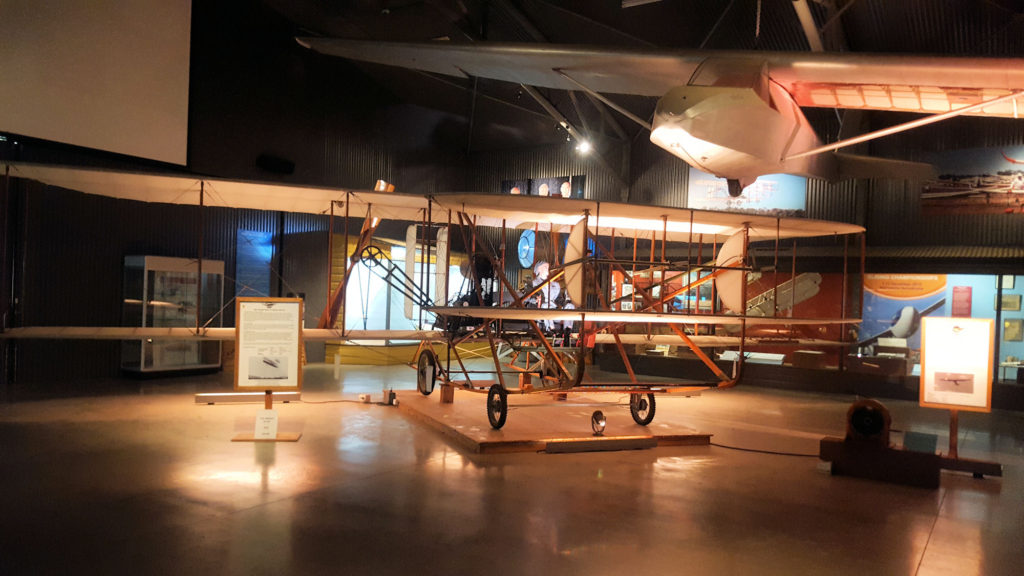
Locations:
(625, 275)
(735, 114)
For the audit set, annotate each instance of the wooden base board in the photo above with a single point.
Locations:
(211, 398)
(873, 461)
(281, 437)
(540, 422)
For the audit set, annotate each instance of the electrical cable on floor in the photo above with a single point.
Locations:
(339, 402)
(771, 452)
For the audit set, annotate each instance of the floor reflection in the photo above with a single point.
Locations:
(368, 490)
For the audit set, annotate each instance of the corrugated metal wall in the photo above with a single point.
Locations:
(355, 163)
(657, 177)
(71, 261)
(839, 202)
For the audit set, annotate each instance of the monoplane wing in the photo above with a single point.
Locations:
(824, 79)
(709, 101)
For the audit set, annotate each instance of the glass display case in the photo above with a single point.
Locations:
(161, 292)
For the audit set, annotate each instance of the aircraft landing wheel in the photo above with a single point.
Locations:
(641, 406)
(426, 372)
(497, 406)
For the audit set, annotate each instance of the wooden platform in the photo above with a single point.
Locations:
(540, 422)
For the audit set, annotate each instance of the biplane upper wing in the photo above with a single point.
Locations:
(607, 218)
(171, 188)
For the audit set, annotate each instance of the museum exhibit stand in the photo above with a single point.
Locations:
(164, 292)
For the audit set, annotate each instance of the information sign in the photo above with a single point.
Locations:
(268, 340)
(956, 363)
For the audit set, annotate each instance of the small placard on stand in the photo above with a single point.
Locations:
(266, 426)
(268, 336)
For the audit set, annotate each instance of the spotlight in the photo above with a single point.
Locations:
(584, 147)
(598, 422)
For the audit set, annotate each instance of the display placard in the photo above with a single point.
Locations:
(956, 363)
(268, 340)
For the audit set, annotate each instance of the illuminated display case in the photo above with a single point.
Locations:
(161, 292)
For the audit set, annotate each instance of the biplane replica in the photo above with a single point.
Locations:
(611, 274)
(602, 274)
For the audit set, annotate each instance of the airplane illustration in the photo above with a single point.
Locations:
(904, 323)
(733, 114)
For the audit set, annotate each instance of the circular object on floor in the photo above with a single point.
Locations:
(598, 422)
(426, 372)
(497, 406)
(641, 406)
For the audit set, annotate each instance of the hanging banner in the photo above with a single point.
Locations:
(268, 340)
(956, 363)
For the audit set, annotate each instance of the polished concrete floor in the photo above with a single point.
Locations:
(137, 478)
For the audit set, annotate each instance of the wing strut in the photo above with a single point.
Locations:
(643, 123)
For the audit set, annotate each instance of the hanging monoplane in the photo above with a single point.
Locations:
(734, 114)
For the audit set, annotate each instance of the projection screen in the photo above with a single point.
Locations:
(105, 74)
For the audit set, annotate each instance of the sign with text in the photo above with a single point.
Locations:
(956, 363)
(268, 340)
(962, 301)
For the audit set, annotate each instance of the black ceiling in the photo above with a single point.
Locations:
(500, 115)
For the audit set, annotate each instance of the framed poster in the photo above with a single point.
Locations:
(956, 363)
(1010, 302)
(268, 341)
(1013, 330)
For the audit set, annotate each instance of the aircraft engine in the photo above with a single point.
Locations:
(868, 420)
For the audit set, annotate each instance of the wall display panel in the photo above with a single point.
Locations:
(106, 74)
(774, 194)
(895, 303)
(975, 181)
(557, 187)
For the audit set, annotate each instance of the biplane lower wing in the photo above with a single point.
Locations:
(715, 341)
(555, 315)
(128, 333)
